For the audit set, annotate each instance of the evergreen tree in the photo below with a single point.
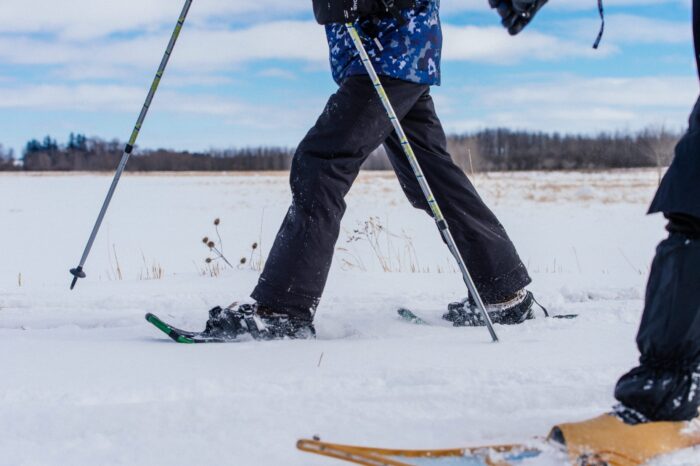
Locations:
(33, 147)
(49, 145)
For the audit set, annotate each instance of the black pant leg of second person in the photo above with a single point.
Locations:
(486, 248)
(666, 384)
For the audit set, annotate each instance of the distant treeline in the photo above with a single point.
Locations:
(93, 154)
(505, 150)
(7, 161)
(486, 150)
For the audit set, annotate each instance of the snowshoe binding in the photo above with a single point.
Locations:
(259, 322)
(238, 323)
(515, 311)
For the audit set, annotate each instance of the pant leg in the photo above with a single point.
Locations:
(666, 384)
(490, 255)
(325, 165)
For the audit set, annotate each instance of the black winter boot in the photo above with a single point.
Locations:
(260, 323)
(516, 311)
(228, 323)
(628, 415)
(282, 325)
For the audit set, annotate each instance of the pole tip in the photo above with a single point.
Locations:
(77, 273)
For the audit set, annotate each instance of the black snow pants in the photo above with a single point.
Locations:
(325, 165)
(666, 385)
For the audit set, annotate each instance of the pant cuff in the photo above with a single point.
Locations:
(505, 286)
(291, 303)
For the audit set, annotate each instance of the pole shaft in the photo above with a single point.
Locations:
(135, 133)
(418, 171)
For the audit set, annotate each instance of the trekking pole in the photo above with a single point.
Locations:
(420, 177)
(78, 271)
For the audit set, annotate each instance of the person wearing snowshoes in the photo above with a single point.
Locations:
(659, 398)
(404, 40)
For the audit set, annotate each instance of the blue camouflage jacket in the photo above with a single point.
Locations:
(410, 52)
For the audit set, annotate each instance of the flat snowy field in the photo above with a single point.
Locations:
(84, 380)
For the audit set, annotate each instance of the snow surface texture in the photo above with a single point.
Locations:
(86, 381)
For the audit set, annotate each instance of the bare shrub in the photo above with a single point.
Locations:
(394, 252)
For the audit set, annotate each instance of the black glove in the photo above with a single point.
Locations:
(516, 14)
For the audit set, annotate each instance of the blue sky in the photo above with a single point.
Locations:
(256, 73)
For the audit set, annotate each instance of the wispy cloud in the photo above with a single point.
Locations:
(115, 98)
(580, 92)
(199, 49)
(87, 19)
(563, 103)
(212, 50)
(575, 103)
(494, 45)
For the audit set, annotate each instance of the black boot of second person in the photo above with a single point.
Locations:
(514, 311)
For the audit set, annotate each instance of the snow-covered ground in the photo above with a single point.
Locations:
(84, 380)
